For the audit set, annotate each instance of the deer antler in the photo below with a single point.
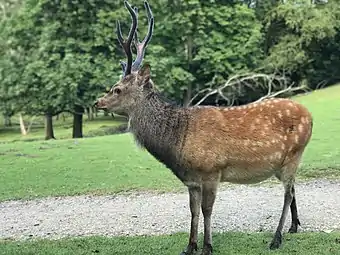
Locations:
(141, 46)
(127, 44)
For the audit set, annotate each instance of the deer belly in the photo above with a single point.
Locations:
(244, 175)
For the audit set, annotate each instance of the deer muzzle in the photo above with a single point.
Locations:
(100, 104)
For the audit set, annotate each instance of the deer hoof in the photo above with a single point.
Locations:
(277, 241)
(188, 253)
(207, 249)
(293, 229)
(190, 250)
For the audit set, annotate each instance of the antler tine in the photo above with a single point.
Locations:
(123, 65)
(151, 22)
(136, 32)
(141, 46)
(127, 44)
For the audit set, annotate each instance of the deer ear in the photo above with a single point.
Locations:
(144, 75)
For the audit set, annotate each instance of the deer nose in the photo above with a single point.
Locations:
(98, 103)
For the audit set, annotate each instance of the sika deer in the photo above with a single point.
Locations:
(204, 146)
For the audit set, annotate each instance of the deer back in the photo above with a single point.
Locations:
(262, 134)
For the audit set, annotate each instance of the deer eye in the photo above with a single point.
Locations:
(117, 91)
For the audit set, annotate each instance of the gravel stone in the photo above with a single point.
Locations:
(237, 208)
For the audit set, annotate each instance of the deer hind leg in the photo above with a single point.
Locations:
(195, 197)
(295, 218)
(287, 176)
(208, 199)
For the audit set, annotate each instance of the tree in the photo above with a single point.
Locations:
(8, 63)
(305, 41)
(199, 43)
(66, 63)
(58, 56)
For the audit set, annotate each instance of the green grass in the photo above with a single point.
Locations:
(322, 157)
(224, 244)
(111, 164)
(97, 165)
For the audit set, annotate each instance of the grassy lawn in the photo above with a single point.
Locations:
(227, 243)
(322, 157)
(110, 164)
(67, 167)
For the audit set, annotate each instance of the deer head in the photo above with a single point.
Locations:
(135, 83)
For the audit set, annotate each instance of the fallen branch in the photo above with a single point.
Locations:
(288, 89)
(275, 85)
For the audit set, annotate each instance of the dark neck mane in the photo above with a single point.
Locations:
(160, 126)
(157, 97)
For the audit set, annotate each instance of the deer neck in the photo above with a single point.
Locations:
(154, 120)
(160, 127)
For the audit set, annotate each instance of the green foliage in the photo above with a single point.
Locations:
(58, 54)
(304, 41)
(10, 64)
(69, 52)
(201, 42)
(64, 63)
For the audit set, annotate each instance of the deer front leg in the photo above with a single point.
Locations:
(208, 199)
(195, 196)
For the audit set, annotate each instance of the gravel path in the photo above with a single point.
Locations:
(240, 208)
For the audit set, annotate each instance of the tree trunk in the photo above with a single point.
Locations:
(22, 125)
(187, 95)
(7, 121)
(78, 122)
(90, 115)
(49, 134)
(87, 110)
(188, 92)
